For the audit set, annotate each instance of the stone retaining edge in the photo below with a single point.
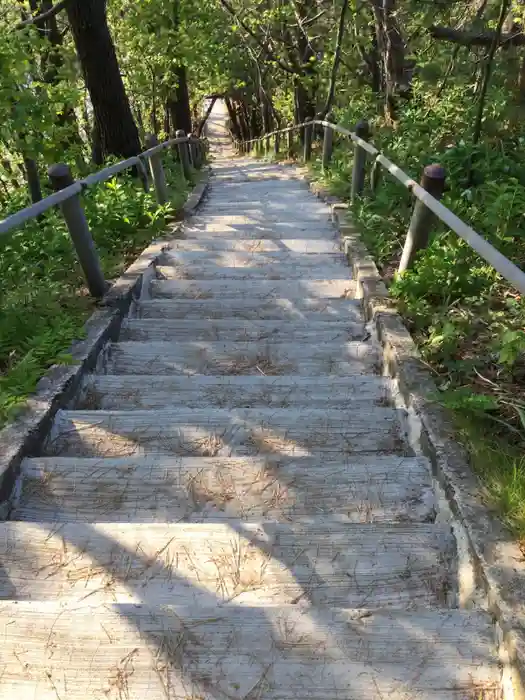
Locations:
(26, 434)
(498, 562)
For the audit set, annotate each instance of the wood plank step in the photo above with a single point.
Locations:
(235, 358)
(257, 245)
(138, 652)
(251, 231)
(255, 289)
(228, 432)
(236, 330)
(317, 561)
(227, 258)
(159, 391)
(360, 489)
(269, 272)
(238, 308)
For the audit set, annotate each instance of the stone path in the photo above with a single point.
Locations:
(232, 509)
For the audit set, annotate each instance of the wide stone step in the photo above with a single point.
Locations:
(228, 432)
(316, 561)
(361, 489)
(134, 652)
(257, 245)
(159, 391)
(238, 308)
(238, 330)
(237, 358)
(278, 271)
(255, 289)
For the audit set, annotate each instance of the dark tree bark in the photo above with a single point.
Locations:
(394, 75)
(470, 38)
(337, 59)
(114, 121)
(33, 179)
(179, 103)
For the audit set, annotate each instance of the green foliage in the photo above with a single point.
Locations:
(44, 302)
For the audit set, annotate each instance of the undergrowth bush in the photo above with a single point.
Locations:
(44, 302)
(468, 322)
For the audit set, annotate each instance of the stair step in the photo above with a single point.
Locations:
(170, 489)
(281, 271)
(254, 259)
(253, 231)
(233, 432)
(255, 289)
(317, 561)
(237, 308)
(160, 391)
(257, 245)
(242, 653)
(237, 358)
(238, 330)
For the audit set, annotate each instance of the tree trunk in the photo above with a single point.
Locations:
(33, 179)
(179, 103)
(114, 121)
(392, 49)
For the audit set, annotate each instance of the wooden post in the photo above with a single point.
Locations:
(308, 133)
(157, 170)
(358, 175)
(191, 150)
(184, 155)
(277, 143)
(328, 143)
(267, 145)
(290, 144)
(375, 176)
(75, 217)
(433, 181)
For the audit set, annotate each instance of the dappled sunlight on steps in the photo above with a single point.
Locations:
(232, 507)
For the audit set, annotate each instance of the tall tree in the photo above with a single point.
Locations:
(116, 131)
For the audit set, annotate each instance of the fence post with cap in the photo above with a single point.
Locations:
(358, 174)
(73, 212)
(157, 170)
(308, 134)
(184, 155)
(328, 143)
(433, 181)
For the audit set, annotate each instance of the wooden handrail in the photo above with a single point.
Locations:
(507, 269)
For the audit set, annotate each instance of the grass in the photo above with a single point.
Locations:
(44, 302)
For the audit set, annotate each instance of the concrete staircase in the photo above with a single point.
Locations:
(233, 510)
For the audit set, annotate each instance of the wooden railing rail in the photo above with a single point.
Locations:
(68, 191)
(427, 193)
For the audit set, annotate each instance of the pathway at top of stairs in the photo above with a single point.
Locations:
(232, 510)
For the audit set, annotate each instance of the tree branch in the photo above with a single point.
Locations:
(337, 60)
(505, 4)
(40, 19)
(270, 56)
(476, 38)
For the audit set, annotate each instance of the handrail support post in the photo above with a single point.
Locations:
(184, 154)
(157, 170)
(308, 135)
(362, 130)
(433, 181)
(73, 212)
(328, 144)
